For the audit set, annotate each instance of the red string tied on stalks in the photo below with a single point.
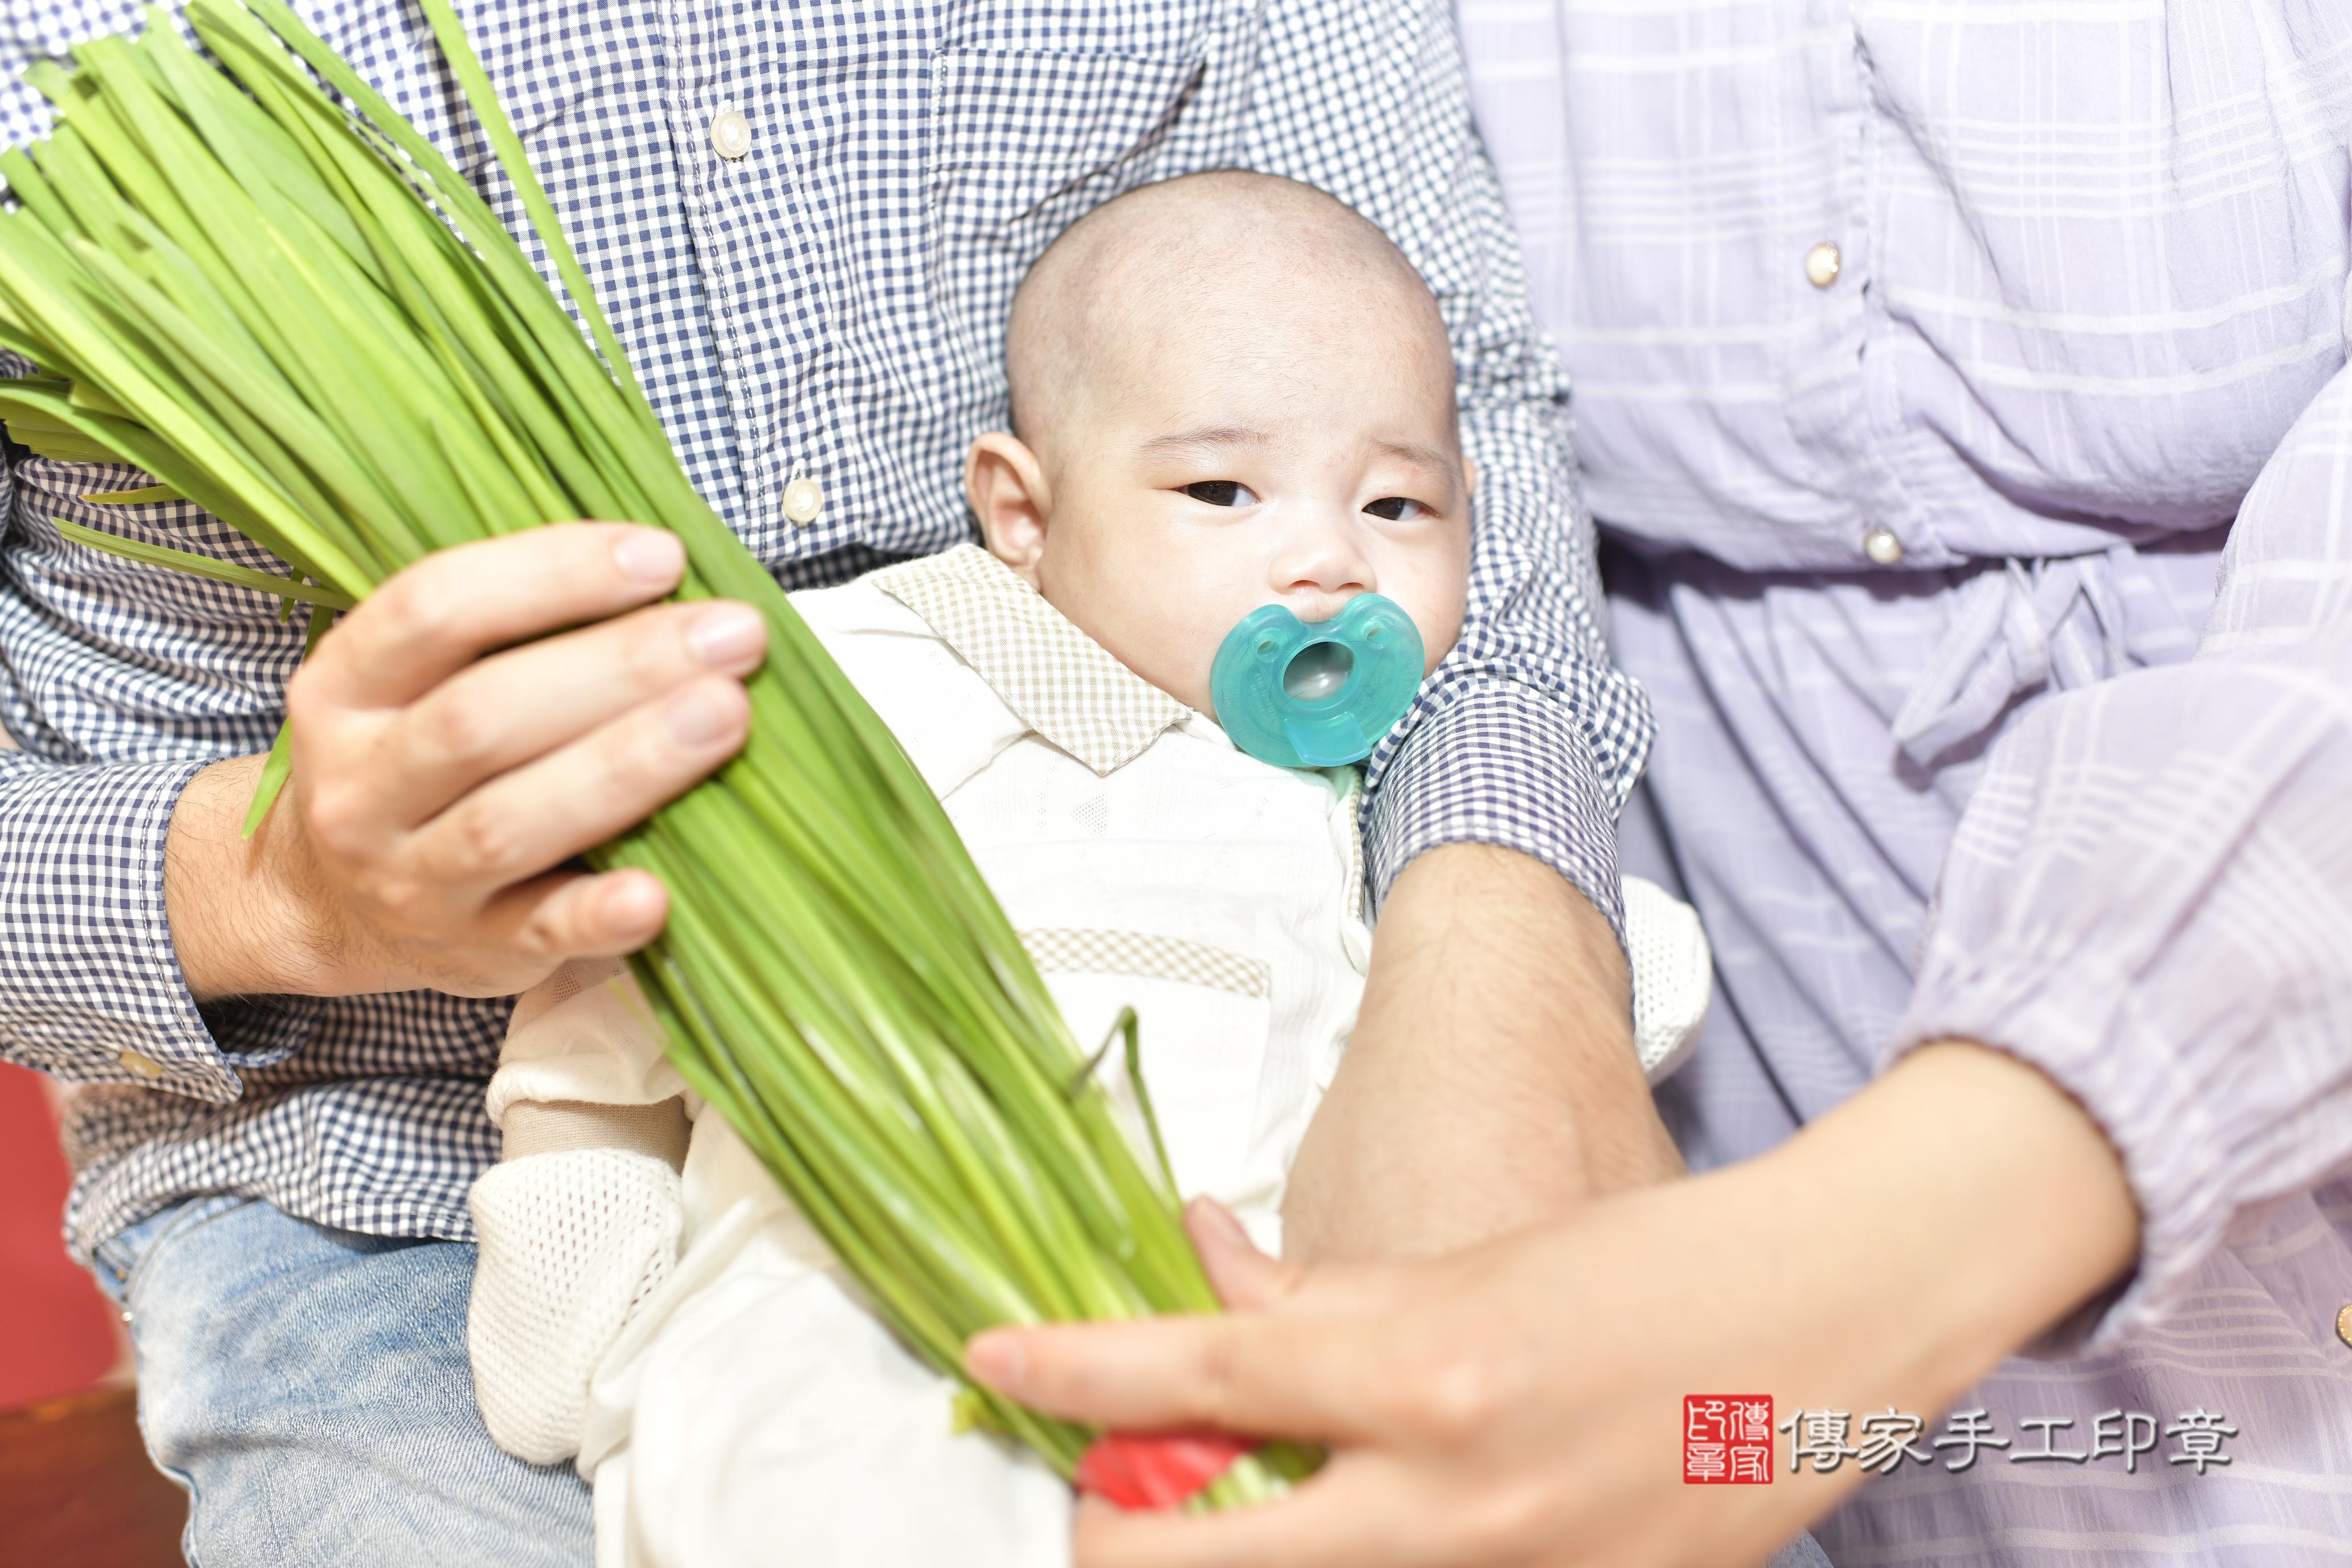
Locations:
(1157, 1470)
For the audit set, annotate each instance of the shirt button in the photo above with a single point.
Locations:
(803, 499)
(1822, 265)
(1881, 545)
(2343, 1325)
(145, 1067)
(730, 133)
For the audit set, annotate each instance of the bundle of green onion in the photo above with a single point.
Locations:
(298, 316)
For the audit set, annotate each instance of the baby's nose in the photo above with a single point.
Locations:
(1321, 569)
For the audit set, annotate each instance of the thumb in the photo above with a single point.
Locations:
(1247, 1280)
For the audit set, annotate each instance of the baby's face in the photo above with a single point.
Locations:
(1231, 459)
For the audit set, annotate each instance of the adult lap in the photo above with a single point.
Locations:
(309, 1386)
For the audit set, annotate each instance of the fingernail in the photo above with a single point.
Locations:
(996, 1359)
(725, 635)
(701, 715)
(632, 902)
(650, 555)
(1222, 1220)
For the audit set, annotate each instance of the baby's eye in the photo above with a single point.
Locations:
(1396, 508)
(1220, 492)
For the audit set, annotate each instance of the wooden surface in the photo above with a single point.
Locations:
(77, 1490)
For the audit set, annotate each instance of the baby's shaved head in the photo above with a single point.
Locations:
(1212, 258)
(1229, 391)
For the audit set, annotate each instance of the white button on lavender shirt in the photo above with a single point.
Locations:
(1928, 543)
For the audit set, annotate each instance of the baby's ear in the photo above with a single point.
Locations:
(1007, 486)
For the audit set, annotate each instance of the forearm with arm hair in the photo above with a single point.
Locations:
(1492, 1084)
(236, 928)
(1492, 1078)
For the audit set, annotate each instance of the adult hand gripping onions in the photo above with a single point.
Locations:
(294, 313)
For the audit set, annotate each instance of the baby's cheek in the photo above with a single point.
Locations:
(1436, 601)
(1171, 639)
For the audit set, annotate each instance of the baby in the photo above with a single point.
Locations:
(1229, 391)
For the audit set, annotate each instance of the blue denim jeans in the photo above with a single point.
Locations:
(309, 1388)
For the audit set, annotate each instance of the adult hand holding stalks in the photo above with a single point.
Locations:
(454, 746)
(1521, 1403)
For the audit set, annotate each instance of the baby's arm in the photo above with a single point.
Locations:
(580, 1221)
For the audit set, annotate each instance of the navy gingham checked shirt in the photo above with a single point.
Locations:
(831, 304)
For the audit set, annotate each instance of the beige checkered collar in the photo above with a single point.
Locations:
(1059, 681)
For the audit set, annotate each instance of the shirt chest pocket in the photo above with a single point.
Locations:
(545, 61)
(1223, 1103)
(1024, 141)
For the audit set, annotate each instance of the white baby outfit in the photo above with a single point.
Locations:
(688, 1336)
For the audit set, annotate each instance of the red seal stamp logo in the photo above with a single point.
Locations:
(1727, 1439)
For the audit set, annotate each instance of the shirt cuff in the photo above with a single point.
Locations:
(2045, 1015)
(1496, 764)
(90, 988)
(2147, 908)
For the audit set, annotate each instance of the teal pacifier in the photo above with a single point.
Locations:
(1318, 694)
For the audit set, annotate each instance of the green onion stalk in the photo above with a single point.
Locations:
(293, 312)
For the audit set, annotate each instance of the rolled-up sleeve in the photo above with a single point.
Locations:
(90, 987)
(1525, 736)
(107, 727)
(2150, 895)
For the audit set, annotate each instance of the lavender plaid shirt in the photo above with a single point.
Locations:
(831, 303)
(1965, 384)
